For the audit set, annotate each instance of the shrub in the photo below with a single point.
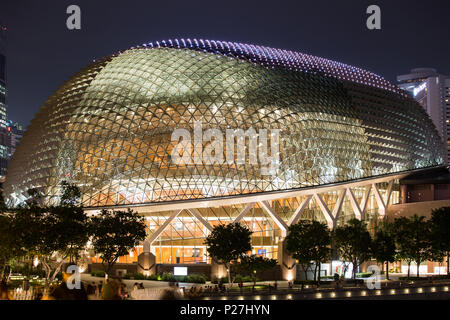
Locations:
(98, 273)
(139, 276)
(28, 270)
(169, 277)
(242, 278)
(222, 279)
(311, 282)
(153, 277)
(195, 278)
(364, 275)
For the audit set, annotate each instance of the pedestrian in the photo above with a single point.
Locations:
(99, 287)
(63, 292)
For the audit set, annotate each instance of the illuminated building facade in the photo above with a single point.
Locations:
(432, 91)
(3, 93)
(15, 133)
(346, 137)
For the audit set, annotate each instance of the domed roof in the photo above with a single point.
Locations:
(271, 58)
(112, 128)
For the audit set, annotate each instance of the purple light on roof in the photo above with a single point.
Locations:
(271, 58)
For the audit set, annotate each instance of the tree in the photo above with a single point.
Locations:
(253, 265)
(353, 243)
(114, 234)
(413, 237)
(61, 231)
(227, 243)
(9, 243)
(440, 229)
(53, 233)
(307, 242)
(10, 247)
(383, 246)
(403, 239)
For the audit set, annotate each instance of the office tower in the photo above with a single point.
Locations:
(431, 90)
(4, 153)
(15, 133)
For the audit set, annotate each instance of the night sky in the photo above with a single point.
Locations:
(43, 53)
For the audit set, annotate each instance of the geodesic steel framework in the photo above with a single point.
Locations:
(108, 129)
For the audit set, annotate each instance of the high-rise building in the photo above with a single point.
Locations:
(432, 91)
(15, 133)
(4, 153)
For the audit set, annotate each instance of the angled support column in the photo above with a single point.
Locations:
(356, 209)
(326, 212)
(199, 217)
(275, 217)
(380, 202)
(161, 229)
(331, 217)
(247, 208)
(298, 212)
(389, 192)
(365, 201)
(337, 208)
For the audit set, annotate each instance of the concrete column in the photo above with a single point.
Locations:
(287, 263)
(403, 194)
(218, 270)
(146, 261)
(433, 196)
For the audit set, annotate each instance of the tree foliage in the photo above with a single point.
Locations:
(383, 246)
(413, 238)
(227, 243)
(353, 243)
(253, 265)
(308, 242)
(440, 233)
(53, 233)
(10, 242)
(115, 233)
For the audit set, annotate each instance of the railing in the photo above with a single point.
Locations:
(20, 294)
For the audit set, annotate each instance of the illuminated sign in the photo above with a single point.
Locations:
(180, 271)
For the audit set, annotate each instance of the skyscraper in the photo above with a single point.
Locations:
(432, 91)
(4, 153)
(15, 134)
